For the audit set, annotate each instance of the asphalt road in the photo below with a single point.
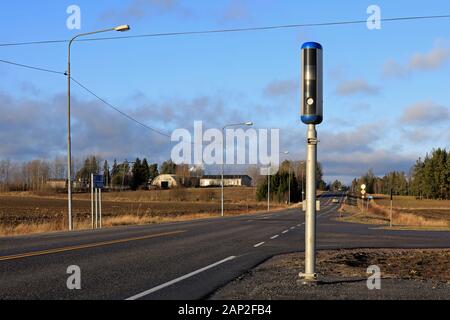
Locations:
(185, 260)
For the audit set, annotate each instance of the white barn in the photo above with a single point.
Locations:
(228, 181)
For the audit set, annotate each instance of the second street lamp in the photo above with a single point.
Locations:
(120, 28)
(248, 123)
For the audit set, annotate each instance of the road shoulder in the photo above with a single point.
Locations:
(405, 274)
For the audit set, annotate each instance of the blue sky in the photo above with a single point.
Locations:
(383, 88)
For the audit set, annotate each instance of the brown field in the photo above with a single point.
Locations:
(407, 211)
(409, 202)
(22, 213)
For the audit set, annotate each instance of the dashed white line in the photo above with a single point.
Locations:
(189, 275)
(292, 228)
(274, 237)
(285, 231)
(259, 244)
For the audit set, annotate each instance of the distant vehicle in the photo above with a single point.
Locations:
(335, 200)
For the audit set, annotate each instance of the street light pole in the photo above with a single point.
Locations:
(248, 123)
(289, 171)
(268, 187)
(289, 200)
(121, 28)
(269, 171)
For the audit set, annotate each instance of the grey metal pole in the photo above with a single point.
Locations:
(100, 206)
(223, 158)
(303, 185)
(69, 139)
(96, 208)
(268, 187)
(289, 200)
(69, 145)
(390, 216)
(310, 218)
(222, 182)
(92, 200)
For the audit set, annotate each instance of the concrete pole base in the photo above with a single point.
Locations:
(307, 279)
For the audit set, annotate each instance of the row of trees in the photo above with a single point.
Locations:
(429, 178)
(290, 172)
(31, 175)
(132, 175)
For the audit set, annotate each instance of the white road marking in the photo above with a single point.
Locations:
(292, 228)
(259, 244)
(285, 231)
(274, 237)
(189, 275)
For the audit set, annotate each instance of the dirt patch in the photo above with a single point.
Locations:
(405, 274)
(25, 213)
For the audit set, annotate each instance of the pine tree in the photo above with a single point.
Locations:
(106, 173)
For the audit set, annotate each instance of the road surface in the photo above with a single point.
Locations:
(184, 260)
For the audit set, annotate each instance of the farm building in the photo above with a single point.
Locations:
(166, 181)
(169, 181)
(56, 183)
(228, 181)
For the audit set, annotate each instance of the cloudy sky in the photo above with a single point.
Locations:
(386, 98)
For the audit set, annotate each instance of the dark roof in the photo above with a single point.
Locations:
(235, 176)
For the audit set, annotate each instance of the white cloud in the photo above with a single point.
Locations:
(434, 59)
(139, 9)
(425, 113)
(353, 87)
(281, 88)
(235, 10)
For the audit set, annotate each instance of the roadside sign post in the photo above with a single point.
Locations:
(96, 200)
(363, 193)
(311, 115)
(390, 213)
(92, 201)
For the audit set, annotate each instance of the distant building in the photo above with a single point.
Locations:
(228, 181)
(170, 181)
(166, 181)
(56, 183)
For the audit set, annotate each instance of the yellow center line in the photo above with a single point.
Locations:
(86, 246)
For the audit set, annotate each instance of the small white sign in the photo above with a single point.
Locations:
(363, 187)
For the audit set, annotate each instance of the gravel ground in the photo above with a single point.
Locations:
(405, 274)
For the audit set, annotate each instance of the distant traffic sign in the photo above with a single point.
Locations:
(363, 187)
(363, 192)
(98, 181)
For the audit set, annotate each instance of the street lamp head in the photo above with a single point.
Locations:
(122, 28)
(249, 123)
(286, 152)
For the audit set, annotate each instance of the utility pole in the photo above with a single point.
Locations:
(289, 195)
(222, 184)
(390, 213)
(68, 73)
(312, 115)
(268, 186)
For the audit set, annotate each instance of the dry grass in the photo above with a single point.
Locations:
(26, 213)
(380, 215)
(410, 202)
(111, 221)
(232, 195)
(407, 219)
(39, 227)
(129, 219)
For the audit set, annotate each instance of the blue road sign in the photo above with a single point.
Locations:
(98, 181)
